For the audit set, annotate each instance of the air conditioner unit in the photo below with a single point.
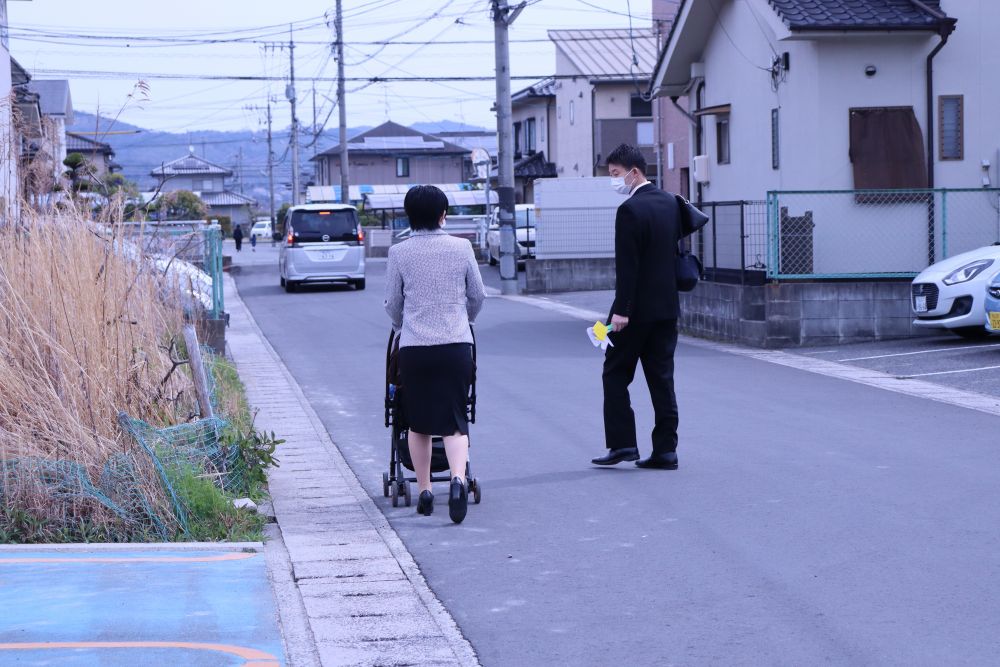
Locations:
(701, 173)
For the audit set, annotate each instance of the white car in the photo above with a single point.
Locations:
(324, 243)
(524, 233)
(950, 294)
(262, 230)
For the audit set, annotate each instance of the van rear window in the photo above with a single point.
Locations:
(336, 225)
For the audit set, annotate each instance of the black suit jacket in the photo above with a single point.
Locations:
(647, 229)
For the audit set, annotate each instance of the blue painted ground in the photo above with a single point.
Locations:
(176, 596)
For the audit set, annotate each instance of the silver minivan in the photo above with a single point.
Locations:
(324, 243)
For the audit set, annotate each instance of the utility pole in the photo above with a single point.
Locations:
(345, 171)
(315, 141)
(290, 95)
(239, 167)
(503, 16)
(270, 172)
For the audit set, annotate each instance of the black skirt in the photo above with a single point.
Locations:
(436, 381)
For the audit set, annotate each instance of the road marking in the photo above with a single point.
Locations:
(964, 370)
(860, 375)
(253, 657)
(906, 354)
(129, 559)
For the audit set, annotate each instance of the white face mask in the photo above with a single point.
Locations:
(619, 185)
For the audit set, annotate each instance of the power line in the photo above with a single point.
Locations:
(103, 74)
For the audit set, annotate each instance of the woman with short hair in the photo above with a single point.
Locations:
(433, 293)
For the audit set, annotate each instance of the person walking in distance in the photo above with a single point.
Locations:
(644, 314)
(238, 237)
(253, 241)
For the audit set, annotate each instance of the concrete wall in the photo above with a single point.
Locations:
(799, 314)
(381, 169)
(569, 275)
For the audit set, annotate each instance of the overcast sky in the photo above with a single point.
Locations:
(178, 106)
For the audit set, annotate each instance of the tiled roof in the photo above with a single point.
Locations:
(859, 14)
(534, 166)
(76, 143)
(544, 88)
(226, 198)
(191, 165)
(607, 54)
(54, 97)
(393, 138)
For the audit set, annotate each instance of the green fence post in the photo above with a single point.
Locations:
(772, 242)
(944, 224)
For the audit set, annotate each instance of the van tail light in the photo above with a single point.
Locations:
(361, 236)
(290, 238)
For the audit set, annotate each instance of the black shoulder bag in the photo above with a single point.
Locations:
(688, 267)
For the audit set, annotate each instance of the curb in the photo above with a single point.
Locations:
(459, 645)
(78, 547)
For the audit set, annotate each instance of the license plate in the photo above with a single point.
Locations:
(920, 304)
(995, 321)
(331, 255)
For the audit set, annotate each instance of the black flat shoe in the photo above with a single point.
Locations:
(615, 456)
(458, 501)
(659, 462)
(425, 503)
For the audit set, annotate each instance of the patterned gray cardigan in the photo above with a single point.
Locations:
(433, 289)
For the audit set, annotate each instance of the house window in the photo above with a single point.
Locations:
(640, 108)
(644, 133)
(951, 131)
(887, 149)
(775, 158)
(402, 167)
(517, 138)
(206, 185)
(529, 136)
(722, 138)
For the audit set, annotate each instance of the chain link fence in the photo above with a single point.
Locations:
(875, 233)
(190, 254)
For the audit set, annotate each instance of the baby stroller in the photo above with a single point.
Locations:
(395, 483)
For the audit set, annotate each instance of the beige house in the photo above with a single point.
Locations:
(534, 118)
(392, 154)
(600, 98)
(208, 181)
(99, 155)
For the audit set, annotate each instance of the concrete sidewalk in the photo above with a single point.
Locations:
(355, 595)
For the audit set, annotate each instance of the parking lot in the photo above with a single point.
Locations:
(945, 359)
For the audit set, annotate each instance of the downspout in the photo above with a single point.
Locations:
(945, 29)
(699, 135)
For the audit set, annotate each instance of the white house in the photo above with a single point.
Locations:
(9, 148)
(791, 95)
(781, 83)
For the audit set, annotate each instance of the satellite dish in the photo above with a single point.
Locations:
(481, 161)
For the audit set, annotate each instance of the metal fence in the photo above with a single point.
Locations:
(179, 245)
(875, 233)
(733, 244)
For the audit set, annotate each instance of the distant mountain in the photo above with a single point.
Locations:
(139, 151)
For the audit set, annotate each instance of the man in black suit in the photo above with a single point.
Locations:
(644, 314)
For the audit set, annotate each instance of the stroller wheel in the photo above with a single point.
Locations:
(477, 491)
(385, 485)
(407, 493)
(395, 495)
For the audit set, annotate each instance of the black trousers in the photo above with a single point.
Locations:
(652, 343)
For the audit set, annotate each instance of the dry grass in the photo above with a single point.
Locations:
(85, 333)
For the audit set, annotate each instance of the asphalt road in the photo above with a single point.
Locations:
(812, 520)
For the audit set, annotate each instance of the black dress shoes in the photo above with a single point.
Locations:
(458, 500)
(425, 503)
(615, 456)
(666, 461)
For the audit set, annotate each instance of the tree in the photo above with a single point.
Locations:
(179, 205)
(80, 171)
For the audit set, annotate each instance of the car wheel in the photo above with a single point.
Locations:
(971, 333)
(290, 286)
(359, 284)
(282, 279)
(489, 253)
